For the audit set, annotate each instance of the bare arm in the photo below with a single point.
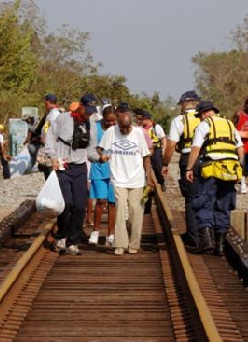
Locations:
(193, 156)
(240, 152)
(167, 154)
(163, 144)
(169, 150)
(148, 168)
(28, 138)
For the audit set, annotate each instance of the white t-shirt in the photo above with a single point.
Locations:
(159, 131)
(1, 139)
(126, 156)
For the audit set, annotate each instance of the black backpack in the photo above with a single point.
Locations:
(81, 135)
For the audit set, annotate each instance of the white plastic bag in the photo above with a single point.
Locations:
(50, 198)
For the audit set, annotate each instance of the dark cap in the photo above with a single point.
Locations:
(205, 106)
(124, 106)
(51, 98)
(147, 115)
(190, 95)
(138, 111)
(89, 101)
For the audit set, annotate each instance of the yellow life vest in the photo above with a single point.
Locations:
(153, 135)
(220, 143)
(219, 151)
(190, 122)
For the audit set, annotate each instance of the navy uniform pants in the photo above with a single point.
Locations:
(213, 204)
(157, 164)
(189, 191)
(73, 184)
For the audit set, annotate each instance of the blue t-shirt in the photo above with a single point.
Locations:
(99, 170)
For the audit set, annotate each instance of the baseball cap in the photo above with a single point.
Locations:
(205, 106)
(190, 95)
(51, 98)
(147, 115)
(89, 101)
(124, 105)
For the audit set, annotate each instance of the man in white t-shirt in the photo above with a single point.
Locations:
(52, 112)
(130, 166)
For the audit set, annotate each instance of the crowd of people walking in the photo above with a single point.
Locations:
(107, 156)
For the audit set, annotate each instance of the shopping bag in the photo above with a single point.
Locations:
(50, 199)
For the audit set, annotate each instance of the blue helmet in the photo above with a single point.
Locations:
(189, 96)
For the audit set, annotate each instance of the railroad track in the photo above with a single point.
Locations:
(159, 294)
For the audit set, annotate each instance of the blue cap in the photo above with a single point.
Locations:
(51, 98)
(89, 101)
(147, 115)
(204, 106)
(190, 95)
(124, 105)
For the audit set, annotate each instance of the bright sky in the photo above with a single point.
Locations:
(150, 42)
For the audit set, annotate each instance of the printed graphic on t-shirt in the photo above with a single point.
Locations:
(125, 147)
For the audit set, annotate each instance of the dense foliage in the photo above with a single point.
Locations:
(33, 63)
(223, 77)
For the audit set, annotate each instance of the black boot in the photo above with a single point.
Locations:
(220, 239)
(206, 236)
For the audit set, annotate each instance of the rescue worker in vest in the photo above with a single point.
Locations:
(158, 137)
(221, 152)
(180, 139)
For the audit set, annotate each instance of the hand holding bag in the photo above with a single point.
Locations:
(42, 158)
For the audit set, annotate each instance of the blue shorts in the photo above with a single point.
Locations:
(102, 188)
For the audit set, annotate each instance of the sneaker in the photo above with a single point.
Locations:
(119, 251)
(132, 251)
(94, 236)
(243, 189)
(73, 250)
(110, 240)
(60, 246)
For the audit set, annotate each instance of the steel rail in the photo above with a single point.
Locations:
(25, 259)
(203, 309)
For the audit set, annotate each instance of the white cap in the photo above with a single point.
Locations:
(106, 105)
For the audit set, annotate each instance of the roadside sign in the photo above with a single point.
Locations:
(18, 131)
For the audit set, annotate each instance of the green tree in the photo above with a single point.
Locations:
(18, 62)
(222, 76)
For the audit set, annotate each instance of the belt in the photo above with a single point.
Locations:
(76, 165)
